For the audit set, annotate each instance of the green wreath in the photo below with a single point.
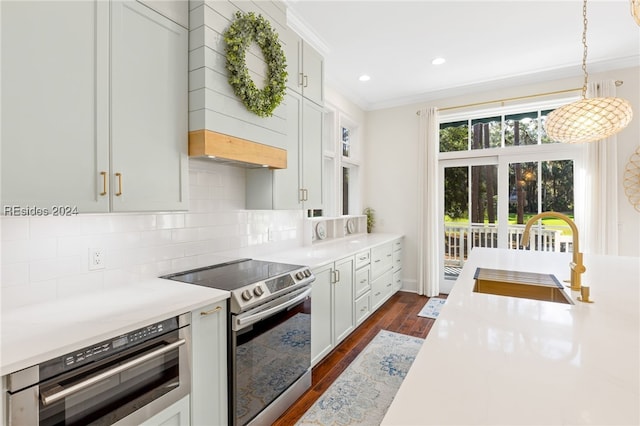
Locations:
(248, 27)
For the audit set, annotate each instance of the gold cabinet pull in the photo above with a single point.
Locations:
(119, 176)
(306, 81)
(300, 79)
(212, 311)
(104, 183)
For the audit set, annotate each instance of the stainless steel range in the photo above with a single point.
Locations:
(270, 334)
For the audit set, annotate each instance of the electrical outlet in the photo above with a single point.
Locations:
(96, 259)
(269, 234)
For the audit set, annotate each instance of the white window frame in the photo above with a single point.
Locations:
(334, 161)
(502, 157)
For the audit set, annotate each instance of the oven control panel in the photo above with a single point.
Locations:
(105, 348)
(263, 291)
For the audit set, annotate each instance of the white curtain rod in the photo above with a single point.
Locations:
(495, 101)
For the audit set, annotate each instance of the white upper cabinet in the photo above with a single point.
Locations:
(305, 67)
(94, 107)
(148, 110)
(312, 116)
(55, 99)
(300, 184)
(176, 10)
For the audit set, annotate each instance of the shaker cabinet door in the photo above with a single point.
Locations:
(312, 119)
(54, 101)
(321, 313)
(209, 368)
(148, 110)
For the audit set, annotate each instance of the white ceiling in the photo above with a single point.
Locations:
(486, 44)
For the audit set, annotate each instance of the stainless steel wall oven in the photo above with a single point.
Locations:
(124, 380)
(269, 334)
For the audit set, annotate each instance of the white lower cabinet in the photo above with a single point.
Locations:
(381, 259)
(343, 299)
(348, 291)
(209, 366)
(174, 415)
(332, 306)
(397, 264)
(381, 289)
(397, 280)
(362, 286)
(363, 307)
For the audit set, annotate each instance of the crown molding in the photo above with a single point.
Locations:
(300, 27)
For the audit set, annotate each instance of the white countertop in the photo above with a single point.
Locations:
(492, 360)
(36, 333)
(324, 252)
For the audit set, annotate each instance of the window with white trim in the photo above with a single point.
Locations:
(342, 161)
(498, 168)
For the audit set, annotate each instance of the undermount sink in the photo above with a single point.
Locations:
(525, 285)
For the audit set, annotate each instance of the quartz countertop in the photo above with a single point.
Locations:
(36, 333)
(492, 360)
(323, 252)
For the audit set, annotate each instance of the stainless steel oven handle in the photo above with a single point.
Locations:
(263, 314)
(65, 392)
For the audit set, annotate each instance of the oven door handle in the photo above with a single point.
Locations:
(55, 394)
(267, 312)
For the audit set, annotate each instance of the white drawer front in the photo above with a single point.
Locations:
(363, 258)
(362, 281)
(381, 260)
(363, 308)
(397, 260)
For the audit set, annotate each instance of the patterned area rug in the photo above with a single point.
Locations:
(363, 392)
(432, 308)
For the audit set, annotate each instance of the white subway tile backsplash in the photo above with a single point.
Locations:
(50, 226)
(170, 221)
(13, 228)
(184, 235)
(14, 274)
(91, 282)
(155, 238)
(49, 256)
(15, 251)
(51, 269)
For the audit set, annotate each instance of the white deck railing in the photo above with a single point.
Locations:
(461, 238)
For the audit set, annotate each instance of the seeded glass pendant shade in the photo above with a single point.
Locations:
(589, 119)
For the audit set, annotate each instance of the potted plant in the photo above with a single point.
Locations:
(371, 218)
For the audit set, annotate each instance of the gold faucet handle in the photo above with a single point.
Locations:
(584, 295)
(577, 267)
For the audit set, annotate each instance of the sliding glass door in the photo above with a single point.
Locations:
(497, 170)
(488, 205)
(470, 219)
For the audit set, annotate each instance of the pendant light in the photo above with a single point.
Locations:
(589, 119)
(635, 10)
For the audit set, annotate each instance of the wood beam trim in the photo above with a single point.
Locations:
(206, 143)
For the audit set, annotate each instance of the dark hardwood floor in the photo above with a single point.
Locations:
(398, 314)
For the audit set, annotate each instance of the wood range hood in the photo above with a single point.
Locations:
(235, 151)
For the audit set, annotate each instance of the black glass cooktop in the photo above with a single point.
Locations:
(233, 275)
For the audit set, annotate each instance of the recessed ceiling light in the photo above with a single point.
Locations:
(364, 77)
(438, 61)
